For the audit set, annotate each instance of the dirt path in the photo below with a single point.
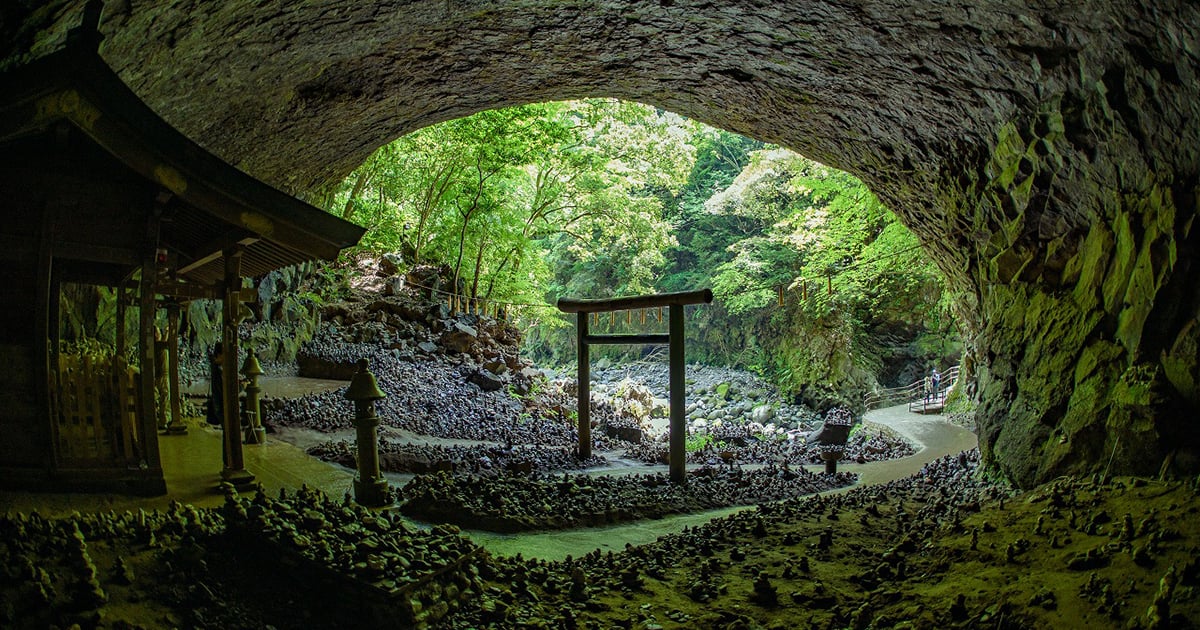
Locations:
(936, 437)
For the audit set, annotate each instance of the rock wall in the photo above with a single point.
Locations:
(1046, 153)
(1087, 284)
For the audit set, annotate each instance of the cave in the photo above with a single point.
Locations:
(1046, 156)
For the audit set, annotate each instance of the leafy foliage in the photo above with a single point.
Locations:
(502, 195)
(853, 280)
(600, 198)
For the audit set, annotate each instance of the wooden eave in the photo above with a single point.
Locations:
(272, 229)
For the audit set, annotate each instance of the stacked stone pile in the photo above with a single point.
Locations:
(1108, 552)
(715, 396)
(866, 445)
(68, 572)
(518, 503)
(390, 573)
(479, 459)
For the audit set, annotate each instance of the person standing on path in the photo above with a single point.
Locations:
(937, 383)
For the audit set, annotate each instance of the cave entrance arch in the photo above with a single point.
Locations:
(1047, 159)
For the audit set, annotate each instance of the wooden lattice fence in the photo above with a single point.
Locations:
(94, 405)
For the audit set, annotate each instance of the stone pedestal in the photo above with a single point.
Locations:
(831, 461)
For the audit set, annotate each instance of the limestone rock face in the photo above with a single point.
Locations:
(1045, 153)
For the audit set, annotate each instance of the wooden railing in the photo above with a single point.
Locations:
(914, 394)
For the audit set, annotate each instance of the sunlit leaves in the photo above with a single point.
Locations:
(495, 194)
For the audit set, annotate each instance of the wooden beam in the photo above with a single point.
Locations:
(189, 291)
(147, 357)
(46, 432)
(632, 340)
(604, 305)
(176, 422)
(234, 470)
(83, 272)
(98, 253)
(186, 291)
(122, 301)
(211, 251)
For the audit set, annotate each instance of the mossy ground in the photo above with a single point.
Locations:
(941, 549)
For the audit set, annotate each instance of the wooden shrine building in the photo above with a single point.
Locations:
(97, 189)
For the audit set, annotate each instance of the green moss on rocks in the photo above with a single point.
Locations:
(1068, 290)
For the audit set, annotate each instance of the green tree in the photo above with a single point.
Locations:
(822, 282)
(598, 198)
(490, 193)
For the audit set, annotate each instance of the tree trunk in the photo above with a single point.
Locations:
(360, 182)
(478, 268)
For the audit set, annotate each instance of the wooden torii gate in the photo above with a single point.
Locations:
(673, 339)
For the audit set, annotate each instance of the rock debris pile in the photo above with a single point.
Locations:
(478, 459)
(446, 375)
(740, 445)
(513, 503)
(943, 548)
(460, 377)
(716, 396)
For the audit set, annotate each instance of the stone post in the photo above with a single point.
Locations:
(255, 433)
(831, 458)
(370, 488)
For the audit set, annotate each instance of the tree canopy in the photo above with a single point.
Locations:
(599, 198)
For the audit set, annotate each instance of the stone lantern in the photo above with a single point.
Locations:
(255, 433)
(370, 488)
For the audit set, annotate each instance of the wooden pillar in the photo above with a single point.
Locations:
(678, 396)
(46, 304)
(120, 365)
(176, 425)
(55, 316)
(585, 389)
(147, 427)
(120, 353)
(235, 467)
